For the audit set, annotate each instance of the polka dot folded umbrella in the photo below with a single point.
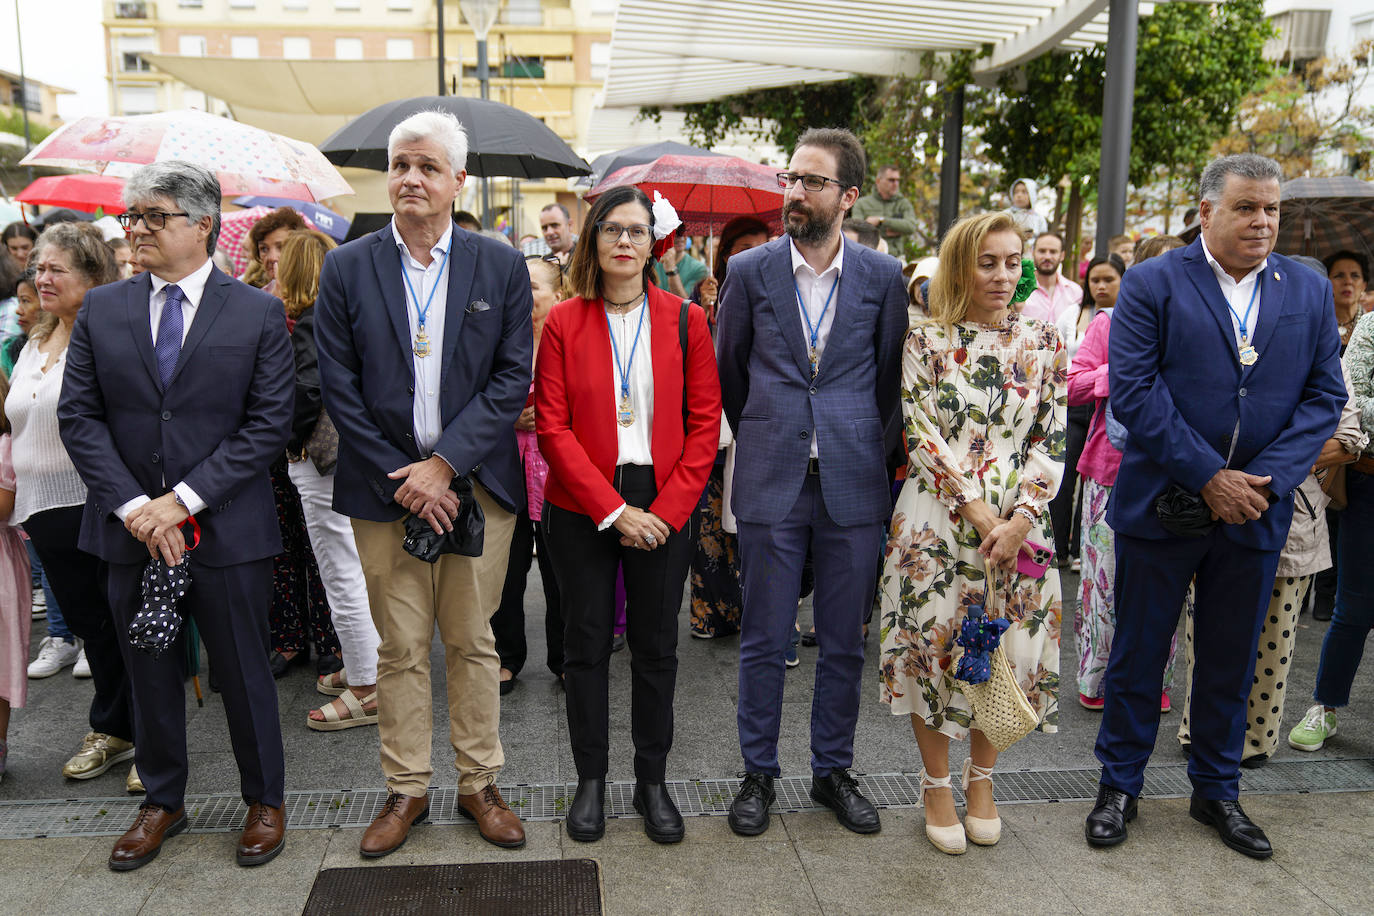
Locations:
(158, 623)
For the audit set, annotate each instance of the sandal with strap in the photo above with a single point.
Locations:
(949, 840)
(356, 714)
(984, 831)
(333, 684)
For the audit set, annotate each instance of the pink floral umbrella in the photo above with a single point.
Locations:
(234, 227)
(248, 160)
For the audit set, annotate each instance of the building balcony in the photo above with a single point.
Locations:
(130, 9)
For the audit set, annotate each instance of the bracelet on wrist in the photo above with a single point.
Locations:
(671, 273)
(1027, 514)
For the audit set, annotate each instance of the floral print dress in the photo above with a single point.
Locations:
(984, 418)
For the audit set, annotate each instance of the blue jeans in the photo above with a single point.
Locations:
(57, 626)
(1353, 616)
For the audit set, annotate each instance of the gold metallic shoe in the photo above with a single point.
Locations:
(132, 784)
(98, 753)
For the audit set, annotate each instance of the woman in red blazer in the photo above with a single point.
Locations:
(629, 433)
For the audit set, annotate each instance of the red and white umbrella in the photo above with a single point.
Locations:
(247, 159)
(706, 191)
(234, 227)
(87, 193)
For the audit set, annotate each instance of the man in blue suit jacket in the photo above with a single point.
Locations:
(809, 339)
(1225, 371)
(177, 397)
(425, 343)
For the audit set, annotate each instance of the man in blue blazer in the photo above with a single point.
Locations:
(1225, 371)
(809, 339)
(425, 343)
(177, 397)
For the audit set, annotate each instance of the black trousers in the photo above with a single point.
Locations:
(230, 605)
(1065, 508)
(508, 623)
(77, 580)
(585, 561)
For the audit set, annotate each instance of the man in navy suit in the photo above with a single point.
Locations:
(176, 399)
(1225, 371)
(809, 340)
(425, 343)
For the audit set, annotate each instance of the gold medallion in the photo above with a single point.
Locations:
(421, 343)
(625, 413)
(1248, 356)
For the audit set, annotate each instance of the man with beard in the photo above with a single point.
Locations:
(1053, 292)
(809, 340)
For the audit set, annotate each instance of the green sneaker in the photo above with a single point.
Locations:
(1311, 733)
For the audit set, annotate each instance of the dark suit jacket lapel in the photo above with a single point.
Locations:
(853, 282)
(211, 301)
(462, 266)
(782, 295)
(1200, 273)
(1271, 302)
(386, 260)
(141, 323)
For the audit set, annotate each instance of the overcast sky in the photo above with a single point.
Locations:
(63, 45)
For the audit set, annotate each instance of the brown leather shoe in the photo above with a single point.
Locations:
(264, 835)
(388, 832)
(143, 841)
(495, 820)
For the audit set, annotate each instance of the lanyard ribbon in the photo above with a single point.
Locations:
(1243, 322)
(615, 349)
(815, 329)
(405, 275)
(195, 532)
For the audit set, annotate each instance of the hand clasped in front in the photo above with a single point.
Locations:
(426, 494)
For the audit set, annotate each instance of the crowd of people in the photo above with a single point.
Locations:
(349, 446)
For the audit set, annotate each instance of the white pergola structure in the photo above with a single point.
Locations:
(674, 52)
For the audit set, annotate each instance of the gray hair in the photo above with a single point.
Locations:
(1246, 165)
(439, 126)
(193, 188)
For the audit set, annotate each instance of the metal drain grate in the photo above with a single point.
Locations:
(566, 887)
(702, 797)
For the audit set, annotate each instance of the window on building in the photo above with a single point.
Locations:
(242, 4)
(243, 46)
(299, 5)
(523, 12)
(131, 9)
(191, 45)
(400, 49)
(295, 48)
(135, 100)
(130, 50)
(348, 49)
(348, 4)
(523, 68)
(601, 59)
(29, 95)
(191, 4)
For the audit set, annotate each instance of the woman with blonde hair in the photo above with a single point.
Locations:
(983, 405)
(312, 452)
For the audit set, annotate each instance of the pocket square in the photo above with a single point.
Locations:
(478, 305)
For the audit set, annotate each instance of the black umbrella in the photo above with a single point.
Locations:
(157, 624)
(501, 140)
(607, 163)
(1321, 216)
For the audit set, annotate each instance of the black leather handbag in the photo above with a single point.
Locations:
(424, 543)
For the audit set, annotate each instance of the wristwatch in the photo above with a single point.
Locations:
(180, 502)
(671, 273)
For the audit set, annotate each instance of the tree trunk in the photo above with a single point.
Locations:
(1073, 225)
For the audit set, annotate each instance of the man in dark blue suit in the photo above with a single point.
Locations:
(809, 340)
(425, 343)
(1225, 371)
(176, 399)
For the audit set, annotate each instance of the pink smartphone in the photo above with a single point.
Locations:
(1036, 562)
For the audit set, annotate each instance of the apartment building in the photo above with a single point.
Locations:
(39, 98)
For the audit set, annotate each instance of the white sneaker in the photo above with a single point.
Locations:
(40, 604)
(54, 654)
(82, 668)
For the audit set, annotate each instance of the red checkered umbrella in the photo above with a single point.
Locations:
(233, 230)
(706, 191)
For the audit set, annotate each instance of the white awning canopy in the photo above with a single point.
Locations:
(674, 52)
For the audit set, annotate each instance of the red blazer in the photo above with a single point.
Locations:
(575, 416)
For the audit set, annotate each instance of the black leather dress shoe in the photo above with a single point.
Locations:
(838, 791)
(749, 810)
(1236, 829)
(586, 820)
(1323, 606)
(1255, 762)
(1106, 825)
(662, 820)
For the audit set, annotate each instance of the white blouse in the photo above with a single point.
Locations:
(1069, 332)
(633, 441)
(45, 477)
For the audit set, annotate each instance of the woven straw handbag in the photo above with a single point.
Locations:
(1000, 707)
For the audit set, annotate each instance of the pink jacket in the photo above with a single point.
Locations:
(1088, 385)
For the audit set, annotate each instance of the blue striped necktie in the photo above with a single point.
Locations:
(167, 347)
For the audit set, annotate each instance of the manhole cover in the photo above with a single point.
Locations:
(569, 887)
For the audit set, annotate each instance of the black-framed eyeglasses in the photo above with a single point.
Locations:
(155, 220)
(611, 232)
(550, 257)
(812, 183)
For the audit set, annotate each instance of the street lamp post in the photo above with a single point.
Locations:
(481, 16)
(23, 87)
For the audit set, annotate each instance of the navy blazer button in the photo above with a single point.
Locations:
(156, 458)
(1242, 392)
(166, 415)
(805, 434)
(813, 390)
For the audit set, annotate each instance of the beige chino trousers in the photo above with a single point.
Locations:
(408, 597)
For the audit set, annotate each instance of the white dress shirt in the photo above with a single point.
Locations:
(192, 290)
(429, 424)
(633, 441)
(1237, 294)
(814, 288)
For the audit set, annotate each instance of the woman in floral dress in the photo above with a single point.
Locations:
(983, 400)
